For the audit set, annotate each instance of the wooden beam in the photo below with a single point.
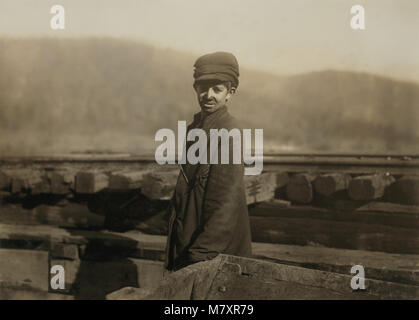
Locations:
(369, 187)
(159, 185)
(405, 190)
(299, 188)
(24, 269)
(73, 216)
(88, 182)
(372, 213)
(260, 187)
(392, 267)
(134, 241)
(335, 234)
(328, 184)
(126, 180)
(17, 186)
(58, 185)
(28, 180)
(229, 277)
(245, 278)
(5, 181)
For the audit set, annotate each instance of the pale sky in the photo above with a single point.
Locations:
(283, 37)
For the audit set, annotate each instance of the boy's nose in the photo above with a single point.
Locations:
(210, 93)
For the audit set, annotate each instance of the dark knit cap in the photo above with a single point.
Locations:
(221, 66)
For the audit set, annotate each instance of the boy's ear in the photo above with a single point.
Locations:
(232, 90)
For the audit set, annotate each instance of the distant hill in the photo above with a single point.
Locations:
(101, 94)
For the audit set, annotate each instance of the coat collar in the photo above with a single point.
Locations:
(210, 120)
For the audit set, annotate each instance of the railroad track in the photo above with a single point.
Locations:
(349, 163)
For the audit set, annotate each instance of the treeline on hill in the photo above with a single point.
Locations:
(102, 94)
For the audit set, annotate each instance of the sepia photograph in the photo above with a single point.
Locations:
(224, 150)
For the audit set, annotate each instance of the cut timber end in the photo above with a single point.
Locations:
(64, 251)
(5, 181)
(24, 269)
(25, 179)
(369, 187)
(40, 186)
(17, 185)
(300, 189)
(90, 182)
(328, 184)
(405, 190)
(57, 183)
(159, 185)
(260, 187)
(126, 180)
(282, 179)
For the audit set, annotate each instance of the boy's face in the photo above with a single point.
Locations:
(212, 95)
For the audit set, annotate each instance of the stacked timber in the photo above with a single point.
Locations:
(128, 259)
(158, 184)
(60, 215)
(377, 227)
(154, 184)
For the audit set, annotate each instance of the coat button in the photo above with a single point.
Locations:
(222, 289)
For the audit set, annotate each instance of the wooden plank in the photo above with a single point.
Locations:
(88, 182)
(328, 184)
(401, 268)
(264, 280)
(126, 180)
(405, 190)
(24, 269)
(260, 187)
(335, 234)
(58, 184)
(17, 185)
(299, 189)
(159, 185)
(369, 187)
(136, 244)
(372, 213)
(39, 187)
(231, 284)
(281, 203)
(10, 293)
(73, 215)
(64, 251)
(149, 273)
(282, 178)
(5, 181)
(192, 282)
(85, 279)
(29, 180)
(389, 207)
(229, 277)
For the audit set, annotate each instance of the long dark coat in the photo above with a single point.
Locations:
(208, 211)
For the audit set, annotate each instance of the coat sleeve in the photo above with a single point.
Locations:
(223, 193)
